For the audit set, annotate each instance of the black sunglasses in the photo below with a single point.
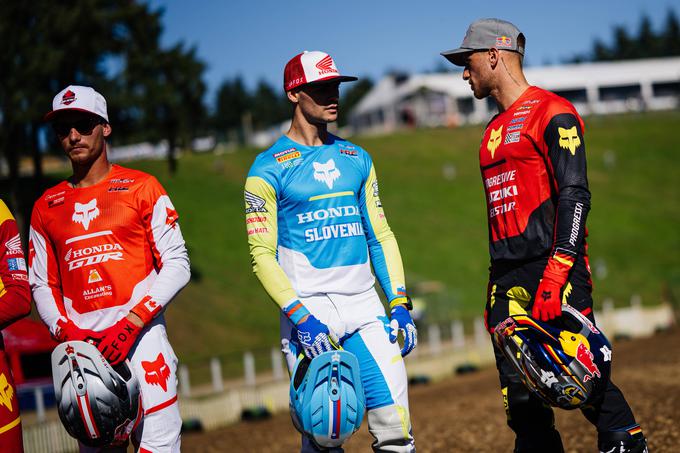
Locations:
(84, 126)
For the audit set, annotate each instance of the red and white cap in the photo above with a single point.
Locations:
(310, 67)
(79, 98)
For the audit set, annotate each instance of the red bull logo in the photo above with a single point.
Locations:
(585, 358)
(503, 41)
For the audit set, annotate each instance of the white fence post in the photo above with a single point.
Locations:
(277, 364)
(249, 368)
(216, 373)
(39, 403)
(184, 384)
(458, 334)
(434, 339)
(481, 334)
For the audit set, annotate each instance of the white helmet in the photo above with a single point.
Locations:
(99, 405)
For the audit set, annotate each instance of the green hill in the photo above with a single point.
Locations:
(439, 222)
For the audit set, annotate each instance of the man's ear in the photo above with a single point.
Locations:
(293, 96)
(106, 128)
(494, 56)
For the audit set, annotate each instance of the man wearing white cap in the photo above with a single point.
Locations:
(315, 226)
(533, 164)
(106, 257)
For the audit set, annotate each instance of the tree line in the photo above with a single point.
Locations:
(646, 42)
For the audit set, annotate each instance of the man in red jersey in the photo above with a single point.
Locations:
(15, 303)
(533, 165)
(106, 257)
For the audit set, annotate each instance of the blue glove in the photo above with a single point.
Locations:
(313, 335)
(401, 321)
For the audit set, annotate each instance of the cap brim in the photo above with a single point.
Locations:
(51, 115)
(329, 80)
(457, 56)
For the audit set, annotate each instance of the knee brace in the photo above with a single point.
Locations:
(621, 442)
(391, 428)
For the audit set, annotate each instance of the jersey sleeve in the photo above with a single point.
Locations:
(161, 222)
(566, 152)
(382, 245)
(261, 225)
(43, 276)
(15, 299)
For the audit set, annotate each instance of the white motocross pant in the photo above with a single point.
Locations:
(362, 326)
(154, 363)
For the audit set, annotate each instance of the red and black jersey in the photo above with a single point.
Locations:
(533, 164)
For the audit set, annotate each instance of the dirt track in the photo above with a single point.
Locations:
(465, 414)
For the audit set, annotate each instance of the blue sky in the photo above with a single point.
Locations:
(255, 39)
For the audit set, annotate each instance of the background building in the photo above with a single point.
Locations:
(430, 100)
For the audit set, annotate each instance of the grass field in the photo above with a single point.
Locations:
(439, 222)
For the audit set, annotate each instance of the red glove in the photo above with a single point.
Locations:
(67, 331)
(547, 303)
(116, 341)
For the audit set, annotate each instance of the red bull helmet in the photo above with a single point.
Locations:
(98, 404)
(566, 362)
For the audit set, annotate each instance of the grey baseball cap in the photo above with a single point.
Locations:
(484, 34)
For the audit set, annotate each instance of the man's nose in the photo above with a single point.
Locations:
(74, 135)
(466, 74)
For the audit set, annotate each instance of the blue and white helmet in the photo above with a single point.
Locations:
(327, 398)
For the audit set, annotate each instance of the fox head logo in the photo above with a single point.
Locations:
(326, 173)
(6, 392)
(494, 140)
(157, 372)
(85, 213)
(569, 139)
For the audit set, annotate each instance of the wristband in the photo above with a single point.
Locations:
(401, 301)
(295, 311)
(146, 309)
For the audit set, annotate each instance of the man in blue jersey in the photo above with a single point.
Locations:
(315, 226)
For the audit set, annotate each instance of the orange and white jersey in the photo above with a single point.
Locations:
(97, 252)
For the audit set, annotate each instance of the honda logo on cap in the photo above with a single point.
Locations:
(326, 65)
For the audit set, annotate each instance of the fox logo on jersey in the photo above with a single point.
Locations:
(326, 173)
(569, 139)
(494, 140)
(157, 372)
(6, 392)
(85, 213)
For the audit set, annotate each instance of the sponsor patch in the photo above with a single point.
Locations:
(118, 189)
(349, 152)
(326, 173)
(258, 230)
(121, 181)
(94, 276)
(84, 213)
(287, 157)
(257, 219)
(511, 137)
(518, 120)
(13, 246)
(494, 140)
(503, 41)
(55, 202)
(569, 139)
(16, 264)
(515, 127)
(255, 203)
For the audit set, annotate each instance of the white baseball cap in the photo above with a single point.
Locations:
(310, 67)
(79, 98)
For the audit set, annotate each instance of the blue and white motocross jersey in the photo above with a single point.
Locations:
(314, 218)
